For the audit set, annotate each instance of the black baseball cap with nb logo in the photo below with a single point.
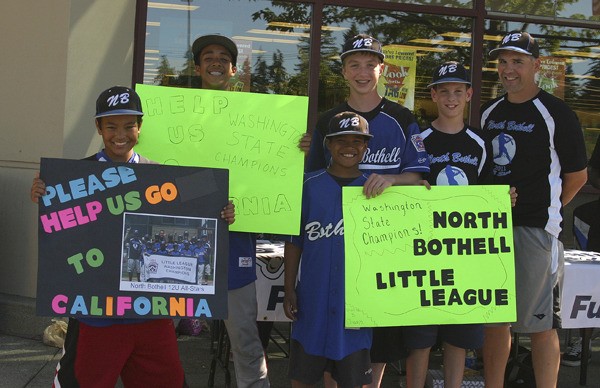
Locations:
(348, 123)
(118, 100)
(518, 41)
(450, 72)
(362, 43)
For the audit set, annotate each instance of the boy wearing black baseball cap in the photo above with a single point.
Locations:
(446, 138)
(319, 341)
(99, 351)
(395, 156)
(119, 121)
(215, 57)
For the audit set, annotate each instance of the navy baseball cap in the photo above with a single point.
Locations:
(118, 100)
(518, 41)
(207, 40)
(362, 43)
(450, 72)
(348, 123)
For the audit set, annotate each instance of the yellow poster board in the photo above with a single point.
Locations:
(399, 75)
(253, 135)
(418, 257)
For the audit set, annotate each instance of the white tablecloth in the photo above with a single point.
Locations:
(580, 291)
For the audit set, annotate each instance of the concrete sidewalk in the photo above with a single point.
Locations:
(26, 362)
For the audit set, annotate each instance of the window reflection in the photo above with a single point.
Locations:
(269, 56)
(571, 9)
(444, 3)
(570, 70)
(274, 42)
(414, 45)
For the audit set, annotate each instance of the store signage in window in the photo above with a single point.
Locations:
(397, 81)
(240, 82)
(551, 76)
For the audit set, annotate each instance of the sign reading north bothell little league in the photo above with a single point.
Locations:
(429, 257)
(121, 240)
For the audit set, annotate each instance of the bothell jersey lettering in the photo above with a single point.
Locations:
(315, 231)
(534, 143)
(396, 146)
(320, 287)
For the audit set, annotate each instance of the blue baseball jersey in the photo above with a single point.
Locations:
(320, 286)
(242, 259)
(396, 146)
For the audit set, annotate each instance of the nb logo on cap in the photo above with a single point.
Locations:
(362, 42)
(117, 99)
(350, 122)
(511, 37)
(447, 69)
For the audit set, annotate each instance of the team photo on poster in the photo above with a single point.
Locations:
(160, 254)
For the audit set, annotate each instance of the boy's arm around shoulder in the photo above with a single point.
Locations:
(291, 260)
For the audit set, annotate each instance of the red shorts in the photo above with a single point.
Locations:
(144, 355)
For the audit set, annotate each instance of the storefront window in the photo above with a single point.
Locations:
(571, 9)
(269, 58)
(570, 69)
(414, 45)
(275, 48)
(443, 3)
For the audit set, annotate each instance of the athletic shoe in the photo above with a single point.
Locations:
(572, 356)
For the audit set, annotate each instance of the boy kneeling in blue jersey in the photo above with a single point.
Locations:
(314, 291)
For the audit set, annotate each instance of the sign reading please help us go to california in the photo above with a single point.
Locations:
(417, 257)
(109, 243)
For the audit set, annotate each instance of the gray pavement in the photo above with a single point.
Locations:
(27, 362)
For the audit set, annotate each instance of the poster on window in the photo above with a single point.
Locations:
(241, 80)
(132, 240)
(551, 76)
(398, 79)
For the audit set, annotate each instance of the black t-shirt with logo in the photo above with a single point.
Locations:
(534, 143)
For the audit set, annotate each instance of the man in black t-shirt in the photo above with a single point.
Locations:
(538, 148)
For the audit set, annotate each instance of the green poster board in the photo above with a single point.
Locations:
(417, 257)
(253, 135)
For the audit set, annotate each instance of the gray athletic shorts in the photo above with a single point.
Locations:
(539, 261)
(133, 265)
